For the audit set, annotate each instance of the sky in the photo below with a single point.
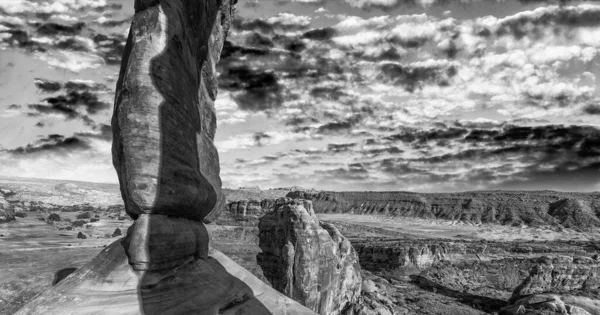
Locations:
(413, 95)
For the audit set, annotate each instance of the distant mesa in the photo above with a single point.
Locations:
(515, 208)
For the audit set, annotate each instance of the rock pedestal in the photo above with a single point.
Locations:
(108, 285)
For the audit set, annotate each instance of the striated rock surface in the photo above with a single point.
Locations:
(164, 118)
(406, 254)
(552, 304)
(558, 285)
(308, 260)
(574, 275)
(536, 208)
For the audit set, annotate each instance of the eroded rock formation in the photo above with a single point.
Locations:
(7, 212)
(558, 285)
(168, 167)
(308, 260)
(561, 275)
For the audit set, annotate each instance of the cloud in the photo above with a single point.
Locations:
(413, 76)
(258, 89)
(592, 109)
(53, 143)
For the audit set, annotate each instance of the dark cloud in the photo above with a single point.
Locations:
(320, 33)
(257, 25)
(78, 94)
(53, 109)
(290, 43)
(259, 137)
(52, 143)
(415, 77)
(76, 98)
(340, 147)
(257, 40)
(592, 109)
(257, 89)
(73, 44)
(235, 51)
(331, 93)
(48, 86)
(20, 38)
(333, 127)
(52, 29)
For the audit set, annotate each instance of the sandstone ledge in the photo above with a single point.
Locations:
(109, 285)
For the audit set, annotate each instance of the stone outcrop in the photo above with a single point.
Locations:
(575, 210)
(561, 274)
(552, 304)
(168, 167)
(7, 212)
(308, 260)
(406, 255)
(558, 285)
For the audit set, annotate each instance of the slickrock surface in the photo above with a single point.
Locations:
(536, 208)
(108, 285)
(308, 260)
(164, 118)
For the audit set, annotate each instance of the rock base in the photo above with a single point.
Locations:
(213, 285)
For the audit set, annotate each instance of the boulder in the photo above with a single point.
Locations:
(117, 232)
(82, 236)
(308, 260)
(53, 217)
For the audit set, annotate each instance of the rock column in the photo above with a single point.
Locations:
(164, 125)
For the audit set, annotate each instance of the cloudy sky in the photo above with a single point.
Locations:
(419, 95)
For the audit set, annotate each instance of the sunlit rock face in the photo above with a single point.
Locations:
(308, 260)
(164, 117)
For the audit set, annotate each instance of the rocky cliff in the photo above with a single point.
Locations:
(308, 260)
(536, 208)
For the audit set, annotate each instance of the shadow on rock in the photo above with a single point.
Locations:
(483, 303)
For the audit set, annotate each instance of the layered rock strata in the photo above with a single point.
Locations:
(537, 208)
(308, 260)
(558, 285)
